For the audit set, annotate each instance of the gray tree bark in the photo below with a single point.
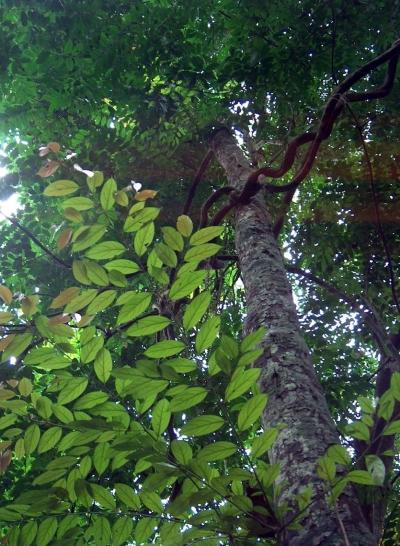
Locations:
(295, 395)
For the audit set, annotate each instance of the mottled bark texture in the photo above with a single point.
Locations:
(288, 377)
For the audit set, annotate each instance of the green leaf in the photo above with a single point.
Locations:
(143, 238)
(361, 477)
(79, 272)
(101, 495)
(96, 180)
(91, 348)
(186, 283)
(90, 400)
(339, 455)
(184, 225)
(241, 382)
(127, 496)
(105, 250)
(202, 425)
(107, 194)
(207, 333)
(103, 365)
(46, 531)
(173, 238)
(96, 274)
(263, 443)
(392, 428)
(164, 349)
(81, 301)
(61, 187)
(166, 255)
(18, 345)
(182, 451)
(217, 451)
(28, 533)
(188, 398)
(251, 411)
(74, 388)
(196, 309)
(78, 203)
(251, 341)
(101, 302)
(126, 267)
(201, 252)
(89, 237)
(206, 234)
(152, 501)
(182, 365)
(121, 530)
(141, 218)
(101, 457)
(160, 417)
(376, 468)
(49, 439)
(31, 438)
(136, 305)
(144, 529)
(148, 325)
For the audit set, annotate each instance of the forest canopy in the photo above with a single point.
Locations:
(199, 280)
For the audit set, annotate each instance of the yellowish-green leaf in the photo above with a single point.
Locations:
(241, 382)
(207, 333)
(60, 188)
(102, 496)
(184, 225)
(78, 203)
(202, 425)
(107, 199)
(79, 302)
(143, 238)
(165, 348)
(49, 439)
(251, 411)
(96, 273)
(201, 252)
(206, 234)
(103, 365)
(135, 305)
(79, 272)
(186, 284)
(217, 451)
(172, 238)
(160, 416)
(148, 325)
(126, 267)
(101, 302)
(105, 250)
(262, 443)
(196, 310)
(188, 398)
(73, 389)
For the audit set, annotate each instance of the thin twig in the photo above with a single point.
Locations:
(60, 262)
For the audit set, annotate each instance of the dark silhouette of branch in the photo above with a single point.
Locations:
(196, 181)
(226, 190)
(59, 261)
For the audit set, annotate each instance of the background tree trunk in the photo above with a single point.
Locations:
(288, 377)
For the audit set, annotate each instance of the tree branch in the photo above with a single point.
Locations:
(196, 181)
(60, 262)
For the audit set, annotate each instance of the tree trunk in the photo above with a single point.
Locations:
(288, 377)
